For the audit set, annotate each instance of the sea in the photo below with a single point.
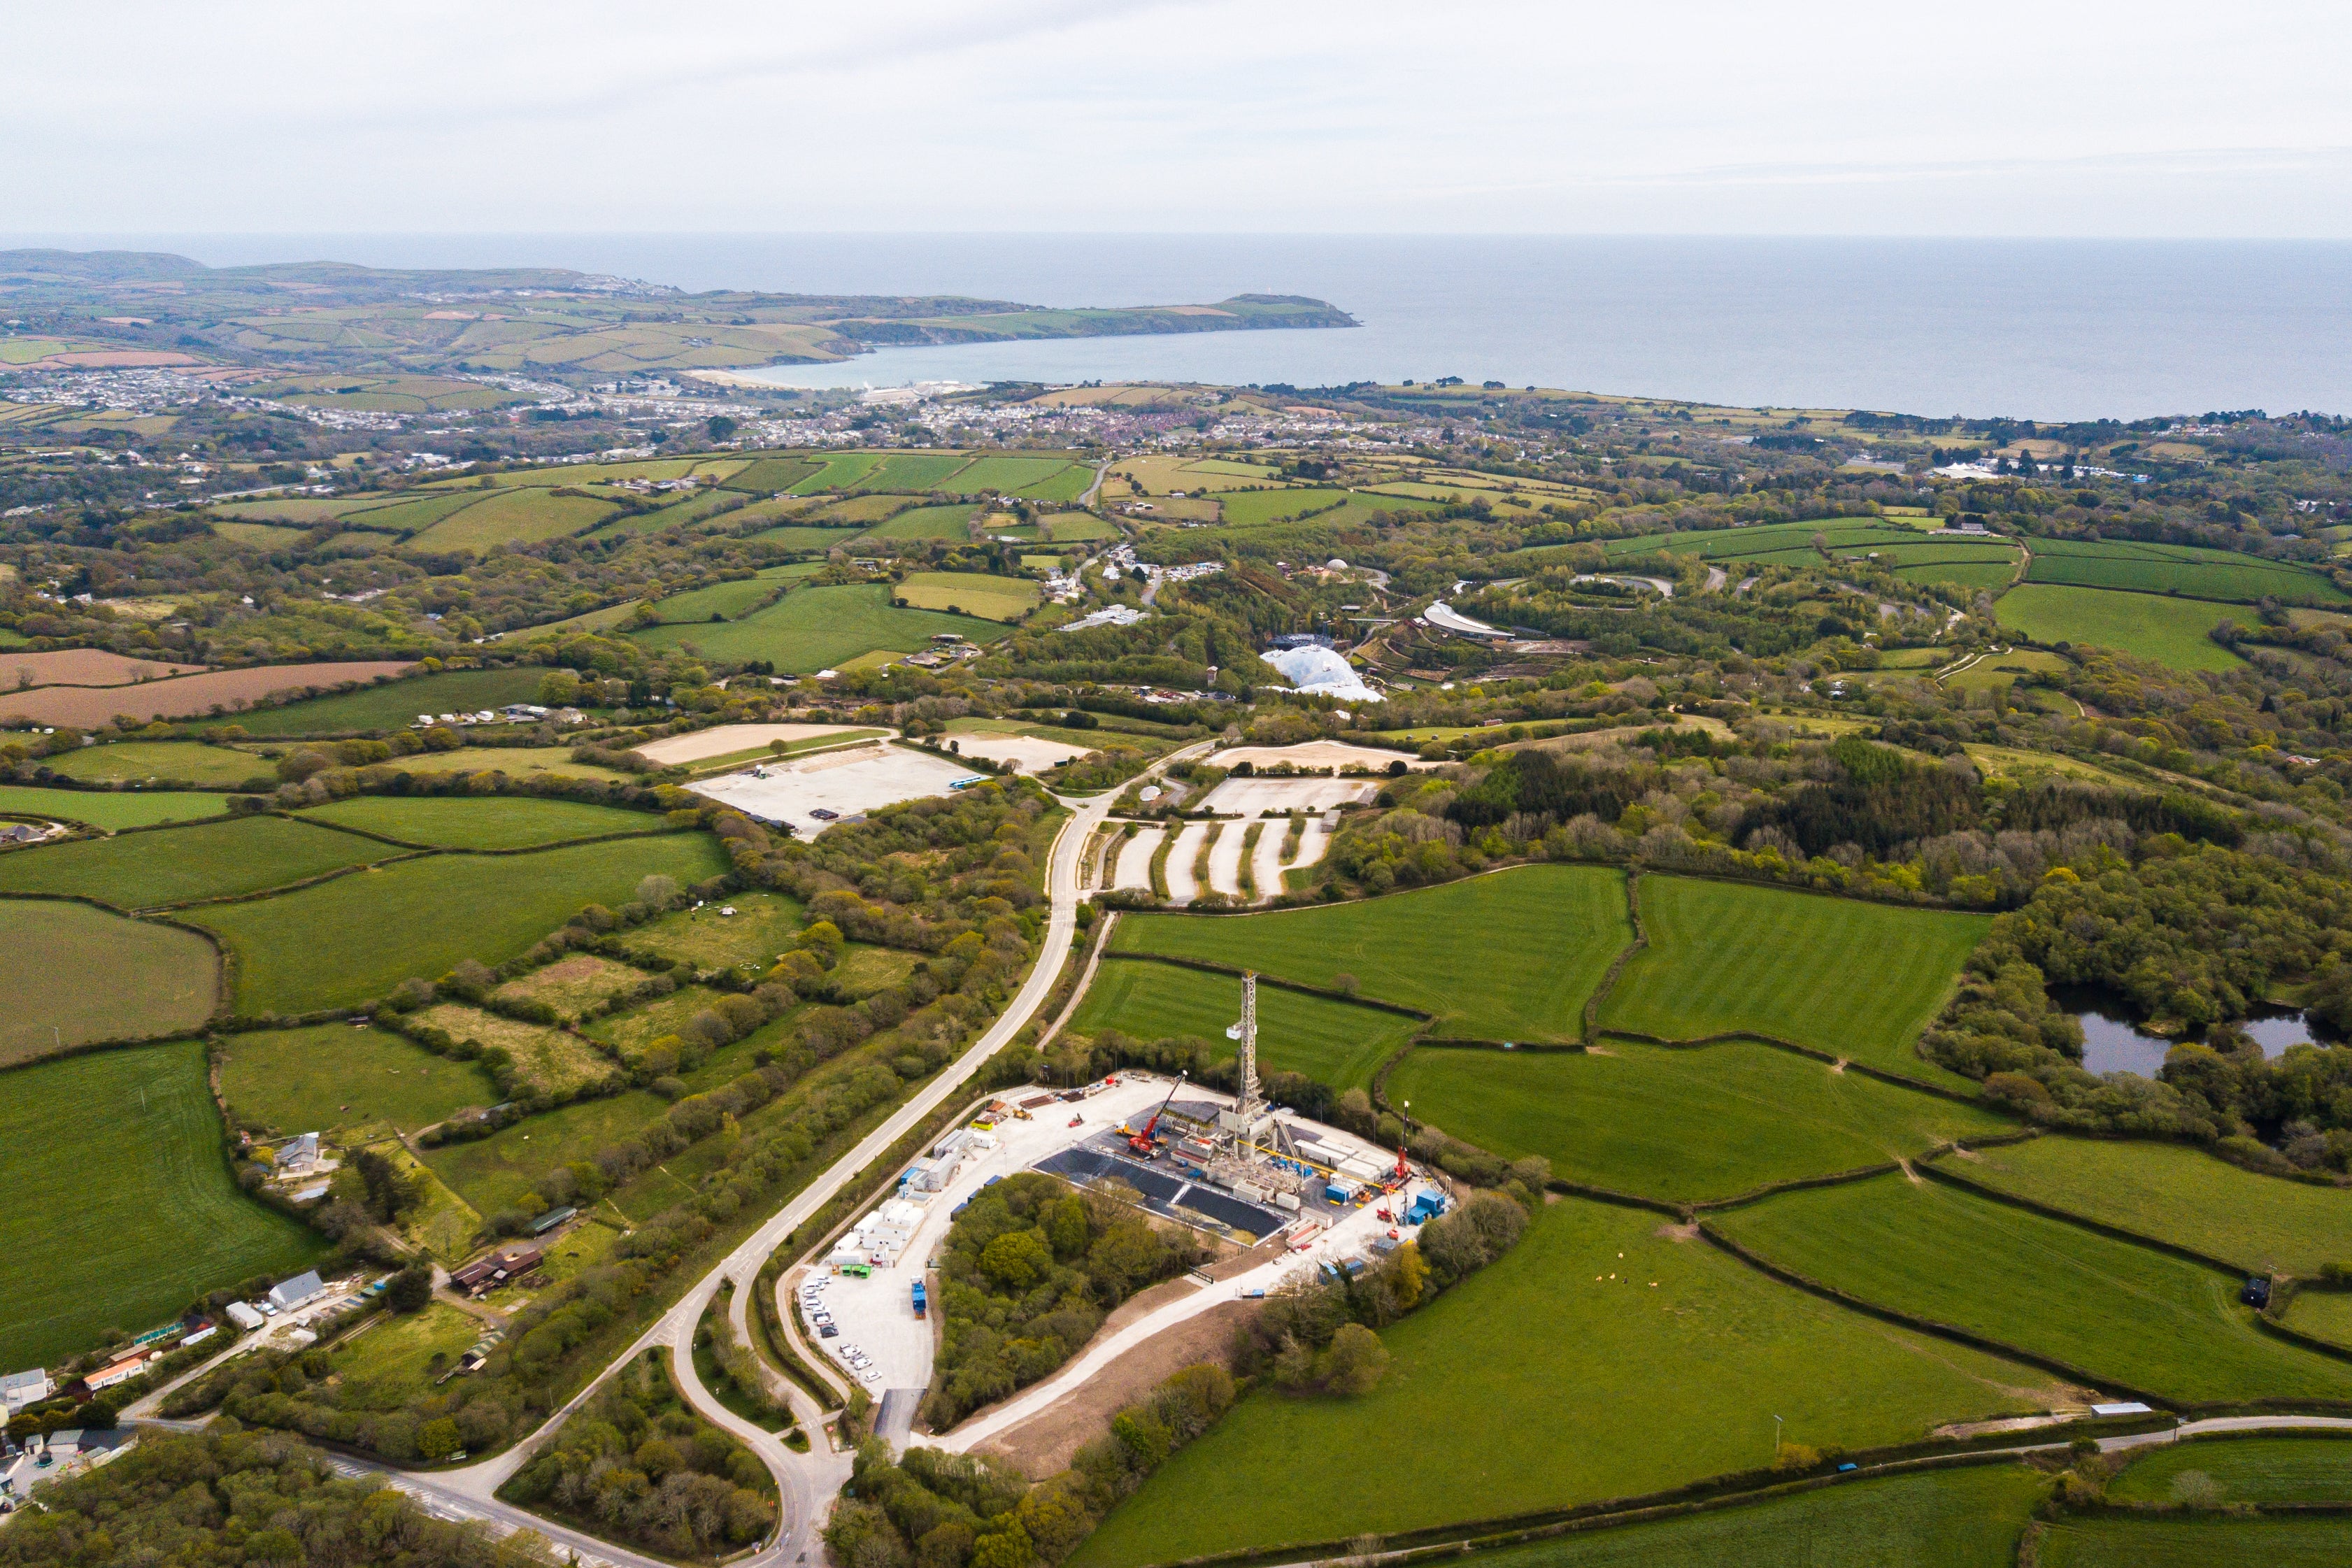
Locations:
(2050, 329)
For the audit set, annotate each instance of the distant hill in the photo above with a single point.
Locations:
(553, 321)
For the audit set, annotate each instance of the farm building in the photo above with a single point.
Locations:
(122, 1370)
(19, 1389)
(288, 1294)
(487, 1273)
(550, 1219)
(244, 1316)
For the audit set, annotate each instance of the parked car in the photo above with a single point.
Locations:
(828, 1333)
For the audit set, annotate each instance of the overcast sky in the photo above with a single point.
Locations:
(2052, 118)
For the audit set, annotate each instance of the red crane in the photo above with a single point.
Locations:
(1141, 1142)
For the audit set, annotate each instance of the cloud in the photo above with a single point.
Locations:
(1174, 114)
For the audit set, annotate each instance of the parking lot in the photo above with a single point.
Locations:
(846, 783)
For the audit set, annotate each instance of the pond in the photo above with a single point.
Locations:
(2113, 1043)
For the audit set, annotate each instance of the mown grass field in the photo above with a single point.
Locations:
(762, 926)
(2115, 1309)
(355, 938)
(1593, 1387)
(145, 762)
(2148, 626)
(394, 704)
(731, 599)
(1968, 1518)
(1857, 979)
(480, 822)
(817, 628)
(1683, 1125)
(1510, 956)
(995, 475)
(2121, 1542)
(517, 514)
(121, 1210)
(333, 1075)
(2323, 1314)
(1332, 1042)
(493, 1173)
(2176, 1193)
(765, 475)
(2253, 1469)
(912, 472)
(2189, 570)
(174, 865)
(73, 974)
(110, 810)
(972, 593)
(835, 471)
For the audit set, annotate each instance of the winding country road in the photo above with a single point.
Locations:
(805, 1482)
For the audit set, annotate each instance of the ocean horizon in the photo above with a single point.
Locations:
(2051, 330)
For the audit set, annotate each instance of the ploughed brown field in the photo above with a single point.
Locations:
(83, 666)
(183, 697)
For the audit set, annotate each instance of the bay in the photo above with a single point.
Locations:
(2051, 329)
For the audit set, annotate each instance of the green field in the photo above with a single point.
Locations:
(1767, 539)
(791, 536)
(2148, 626)
(576, 982)
(764, 475)
(480, 822)
(762, 926)
(1332, 1042)
(1248, 508)
(1639, 1388)
(926, 522)
(817, 628)
(729, 600)
(355, 938)
(186, 761)
(121, 1210)
(493, 1173)
(333, 1075)
(1949, 1519)
(2177, 1193)
(1509, 956)
(1857, 979)
(2122, 1542)
(175, 865)
(972, 593)
(2115, 1311)
(1991, 576)
(110, 810)
(516, 762)
(388, 1361)
(394, 704)
(74, 975)
(2253, 1469)
(1008, 475)
(2189, 570)
(516, 514)
(835, 471)
(1683, 1125)
(2323, 1314)
(912, 472)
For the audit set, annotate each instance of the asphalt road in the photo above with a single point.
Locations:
(806, 1482)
